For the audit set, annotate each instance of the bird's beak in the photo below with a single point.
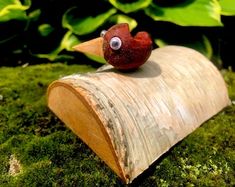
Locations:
(92, 47)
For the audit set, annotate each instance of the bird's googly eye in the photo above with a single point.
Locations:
(103, 33)
(115, 43)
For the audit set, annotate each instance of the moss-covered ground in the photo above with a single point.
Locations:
(36, 149)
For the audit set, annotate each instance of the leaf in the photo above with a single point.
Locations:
(68, 41)
(188, 13)
(53, 57)
(201, 44)
(228, 7)
(45, 29)
(120, 18)
(130, 7)
(87, 25)
(34, 15)
(96, 58)
(13, 10)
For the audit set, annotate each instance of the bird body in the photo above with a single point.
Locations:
(119, 48)
(134, 51)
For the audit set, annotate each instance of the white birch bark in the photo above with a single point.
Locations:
(145, 112)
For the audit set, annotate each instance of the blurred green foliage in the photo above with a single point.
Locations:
(38, 31)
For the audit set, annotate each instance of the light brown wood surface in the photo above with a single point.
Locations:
(130, 119)
(94, 47)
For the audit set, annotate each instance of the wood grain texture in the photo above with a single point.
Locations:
(135, 117)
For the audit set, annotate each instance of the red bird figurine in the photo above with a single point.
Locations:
(119, 48)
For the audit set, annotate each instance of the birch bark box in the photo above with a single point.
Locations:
(130, 119)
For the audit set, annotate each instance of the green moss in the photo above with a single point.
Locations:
(51, 155)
